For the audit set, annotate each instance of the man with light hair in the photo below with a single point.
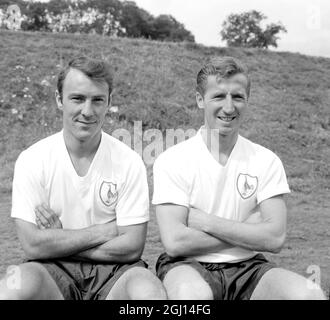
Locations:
(80, 203)
(220, 203)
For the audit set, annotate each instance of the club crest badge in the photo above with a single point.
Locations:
(246, 185)
(108, 193)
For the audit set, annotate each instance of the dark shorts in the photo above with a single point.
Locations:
(83, 280)
(228, 281)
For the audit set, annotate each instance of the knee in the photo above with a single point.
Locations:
(186, 283)
(317, 294)
(313, 293)
(309, 291)
(21, 283)
(190, 291)
(144, 285)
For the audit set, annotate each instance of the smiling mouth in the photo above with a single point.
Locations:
(227, 119)
(86, 123)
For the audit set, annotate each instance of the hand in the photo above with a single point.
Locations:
(46, 218)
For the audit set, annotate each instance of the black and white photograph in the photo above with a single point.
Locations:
(165, 150)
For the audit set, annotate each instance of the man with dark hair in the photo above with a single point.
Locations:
(80, 203)
(219, 203)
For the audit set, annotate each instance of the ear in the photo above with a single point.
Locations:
(199, 100)
(58, 100)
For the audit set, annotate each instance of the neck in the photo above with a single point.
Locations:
(81, 148)
(219, 145)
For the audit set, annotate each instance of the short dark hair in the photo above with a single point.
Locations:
(224, 67)
(97, 70)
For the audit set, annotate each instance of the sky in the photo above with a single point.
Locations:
(307, 21)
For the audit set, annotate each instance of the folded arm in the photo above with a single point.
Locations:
(126, 247)
(178, 238)
(124, 243)
(41, 243)
(268, 234)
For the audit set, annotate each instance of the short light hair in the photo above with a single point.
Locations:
(97, 70)
(223, 67)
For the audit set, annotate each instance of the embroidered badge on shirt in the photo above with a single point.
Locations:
(246, 185)
(108, 193)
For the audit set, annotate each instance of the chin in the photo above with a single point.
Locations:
(84, 135)
(226, 132)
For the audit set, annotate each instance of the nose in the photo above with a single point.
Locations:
(87, 110)
(228, 107)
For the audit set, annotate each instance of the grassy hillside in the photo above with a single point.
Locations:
(155, 81)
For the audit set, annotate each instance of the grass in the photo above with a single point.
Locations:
(154, 82)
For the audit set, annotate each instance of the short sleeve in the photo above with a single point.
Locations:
(27, 190)
(133, 200)
(273, 180)
(170, 185)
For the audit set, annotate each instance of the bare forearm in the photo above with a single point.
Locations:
(117, 250)
(125, 247)
(253, 236)
(192, 242)
(263, 230)
(55, 243)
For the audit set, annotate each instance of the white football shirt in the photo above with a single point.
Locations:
(188, 175)
(115, 186)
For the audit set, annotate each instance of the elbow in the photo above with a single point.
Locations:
(32, 252)
(134, 255)
(276, 244)
(33, 246)
(172, 252)
(36, 250)
(174, 248)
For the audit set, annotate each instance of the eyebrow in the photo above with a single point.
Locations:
(224, 93)
(79, 94)
(218, 94)
(240, 94)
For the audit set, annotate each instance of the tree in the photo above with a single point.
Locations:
(106, 17)
(167, 28)
(10, 17)
(36, 17)
(244, 30)
(139, 23)
(136, 21)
